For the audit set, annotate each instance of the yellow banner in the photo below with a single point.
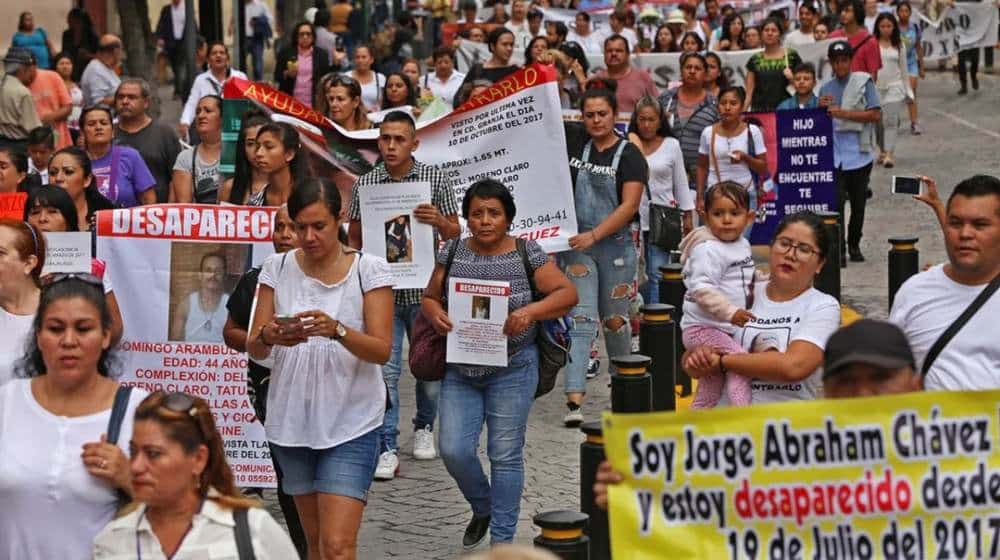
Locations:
(910, 476)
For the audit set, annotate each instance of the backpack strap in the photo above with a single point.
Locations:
(118, 410)
(447, 267)
(953, 328)
(244, 542)
(522, 249)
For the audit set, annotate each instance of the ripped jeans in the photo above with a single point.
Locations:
(603, 278)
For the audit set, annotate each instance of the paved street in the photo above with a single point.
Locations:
(421, 515)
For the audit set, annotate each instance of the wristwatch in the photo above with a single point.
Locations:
(341, 331)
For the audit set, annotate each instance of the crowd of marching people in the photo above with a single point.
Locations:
(125, 473)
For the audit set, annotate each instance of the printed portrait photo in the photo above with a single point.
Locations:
(398, 242)
(481, 307)
(202, 275)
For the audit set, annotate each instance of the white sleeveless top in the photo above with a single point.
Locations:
(321, 395)
(202, 325)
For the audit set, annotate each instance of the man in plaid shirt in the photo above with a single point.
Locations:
(396, 143)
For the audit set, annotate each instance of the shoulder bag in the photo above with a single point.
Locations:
(244, 540)
(665, 230)
(553, 335)
(953, 328)
(118, 411)
(427, 347)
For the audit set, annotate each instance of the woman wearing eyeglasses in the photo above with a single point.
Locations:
(55, 462)
(189, 501)
(300, 66)
(790, 324)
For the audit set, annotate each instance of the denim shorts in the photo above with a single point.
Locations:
(344, 470)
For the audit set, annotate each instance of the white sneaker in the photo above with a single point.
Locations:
(423, 444)
(573, 418)
(388, 466)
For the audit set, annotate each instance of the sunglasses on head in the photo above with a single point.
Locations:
(183, 403)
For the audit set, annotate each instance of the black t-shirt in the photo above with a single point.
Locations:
(631, 167)
(240, 306)
(159, 147)
(770, 81)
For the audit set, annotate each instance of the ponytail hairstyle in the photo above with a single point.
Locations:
(192, 428)
(29, 242)
(289, 138)
(243, 175)
(321, 190)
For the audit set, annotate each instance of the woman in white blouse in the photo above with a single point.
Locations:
(893, 85)
(730, 150)
(188, 500)
(324, 313)
(60, 480)
(371, 81)
(667, 185)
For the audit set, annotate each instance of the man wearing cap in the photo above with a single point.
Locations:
(17, 108)
(869, 358)
(850, 98)
(52, 101)
(99, 80)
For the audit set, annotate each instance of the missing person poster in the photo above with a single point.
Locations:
(174, 267)
(390, 230)
(908, 476)
(67, 251)
(478, 312)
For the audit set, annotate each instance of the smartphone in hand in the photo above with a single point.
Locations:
(912, 186)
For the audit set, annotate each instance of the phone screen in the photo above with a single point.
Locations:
(906, 185)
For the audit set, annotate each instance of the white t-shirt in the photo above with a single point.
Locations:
(16, 329)
(725, 267)
(43, 483)
(811, 317)
(629, 34)
(924, 307)
(797, 38)
(592, 43)
(668, 181)
(447, 89)
(728, 171)
(97, 82)
(321, 395)
(371, 93)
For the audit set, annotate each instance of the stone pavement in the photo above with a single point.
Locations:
(421, 514)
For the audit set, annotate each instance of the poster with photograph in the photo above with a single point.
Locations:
(174, 267)
(67, 251)
(478, 311)
(389, 230)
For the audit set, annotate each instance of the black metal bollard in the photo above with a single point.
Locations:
(828, 280)
(591, 456)
(656, 340)
(904, 261)
(562, 534)
(672, 292)
(631, 385)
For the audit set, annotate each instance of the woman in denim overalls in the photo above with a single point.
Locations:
(602, 262)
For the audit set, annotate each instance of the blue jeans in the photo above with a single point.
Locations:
(501, 400)
(427, 391)
(655, 258)
(604, 287)
(256, 48)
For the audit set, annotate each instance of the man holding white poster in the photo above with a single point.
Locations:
(390, 230)
(396, 175)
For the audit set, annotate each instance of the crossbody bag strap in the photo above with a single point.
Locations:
(118, 411)
(447, 268)
(714, 160)
(241, 530)
(953, 328)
